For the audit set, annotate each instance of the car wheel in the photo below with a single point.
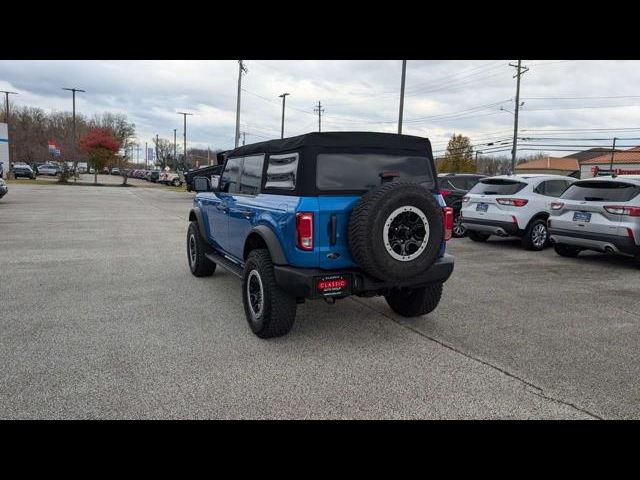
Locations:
(536, 236)
(199, 264)
(459, 230)
(270, 310)
(477, 236)
(414, 302)
(566, 250)
(176, 183)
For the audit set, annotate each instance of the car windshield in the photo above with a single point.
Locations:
(497, 186)
(601, 191)
(364, 171)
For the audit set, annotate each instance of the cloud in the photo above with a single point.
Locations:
(442, 97)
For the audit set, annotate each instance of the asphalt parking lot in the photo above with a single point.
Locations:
(101, 318)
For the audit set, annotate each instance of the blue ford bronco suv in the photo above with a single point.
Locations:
(324, 216)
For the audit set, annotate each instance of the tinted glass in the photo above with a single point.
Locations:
(251, 174)
(552, 188)
(459, 183)
(498, 186)
(601, 191)
(471, 182)
(344, 171)
(281, 171)
(231, 175)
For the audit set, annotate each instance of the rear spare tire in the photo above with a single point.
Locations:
(395, 231)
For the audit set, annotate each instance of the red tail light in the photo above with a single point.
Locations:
(448, 223)
(444, 192)
(619, 210)
(514, 202)
(304, 231)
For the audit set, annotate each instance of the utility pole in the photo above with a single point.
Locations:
(157, 157)
(477, 152)
(175, 158)
(520, 71)
(74, 90)
(613, 150)
(284, 97)
(146, 156)
(244, 137)
(6, 120)
(319, 109)
(404, 72)
(184, 114)
(208, 156)
(242, 69)
(137, 153)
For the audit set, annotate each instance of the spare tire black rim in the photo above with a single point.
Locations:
(406, 233)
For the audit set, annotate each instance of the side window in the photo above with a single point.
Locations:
(458, 183)
(552, 188)
(231, 175)
(251, 177)
(471, 182)
(282, 171)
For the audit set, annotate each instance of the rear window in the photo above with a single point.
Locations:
(346, 171)
(498, 186)
(601, 191)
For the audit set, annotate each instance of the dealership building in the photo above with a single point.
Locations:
(625, 162)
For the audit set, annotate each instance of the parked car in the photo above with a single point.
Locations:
(105, 170)
(170, 178)
(154, 176)
(49, 170)
(201, 172)
(513, 205)
(600, 214)
(92, 170)
(22, 170)
(325, 216)
(115, 171)
(453, 188)
(3, 188)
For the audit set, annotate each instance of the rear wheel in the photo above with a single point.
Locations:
(477, 236)
(536, 236)
(566, 250)
(459, 230)
(270, 310)
(414, 302)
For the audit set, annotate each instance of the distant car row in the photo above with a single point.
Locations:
(156, 176)
(600, 214)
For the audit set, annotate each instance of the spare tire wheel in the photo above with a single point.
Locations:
(395, 231)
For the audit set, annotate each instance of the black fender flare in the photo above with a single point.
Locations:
(195, 214)
(273, 244)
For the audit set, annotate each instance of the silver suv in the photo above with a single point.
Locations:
(601, 214)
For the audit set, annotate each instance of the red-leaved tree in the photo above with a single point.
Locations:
(101, 147)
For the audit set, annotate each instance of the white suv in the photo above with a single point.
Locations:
(512, 205)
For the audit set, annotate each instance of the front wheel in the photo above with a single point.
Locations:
(270, 310)
(566, 250)
(414, 302)
(536, 236)
(199, 264)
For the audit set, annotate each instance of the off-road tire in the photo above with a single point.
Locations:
(566, 250)
(477, 236)
(366, 227)
(200, 265)
(527, 240)
(415, 302)
(279, 308)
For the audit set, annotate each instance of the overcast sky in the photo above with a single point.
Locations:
(442, 98)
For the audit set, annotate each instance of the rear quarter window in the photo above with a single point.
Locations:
(602, 191)
(498, 186)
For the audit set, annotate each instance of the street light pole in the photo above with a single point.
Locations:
(404, 72)
(284, 98)
(6, 120)
(74, 90)
(184, 114)
(175, 159)
(242, 69)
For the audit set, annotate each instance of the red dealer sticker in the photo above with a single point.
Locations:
(332, 285)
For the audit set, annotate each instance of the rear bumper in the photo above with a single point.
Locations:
(301, 282)
(493, 227)
(595, 241)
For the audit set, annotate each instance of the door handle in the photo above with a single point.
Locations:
(247, 213)
(222, 207)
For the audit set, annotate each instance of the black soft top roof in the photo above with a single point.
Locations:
(348, 140)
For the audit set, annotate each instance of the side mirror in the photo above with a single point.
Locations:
(201, 184)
